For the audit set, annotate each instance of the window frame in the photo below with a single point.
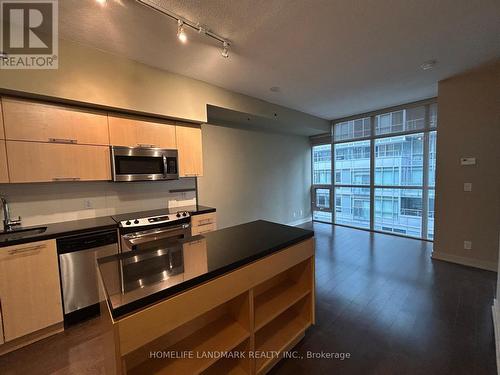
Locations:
(424, 186)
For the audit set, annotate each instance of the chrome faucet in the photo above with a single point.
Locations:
(8, 223)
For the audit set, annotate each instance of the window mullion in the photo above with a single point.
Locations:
(425, 175)
(372, 172)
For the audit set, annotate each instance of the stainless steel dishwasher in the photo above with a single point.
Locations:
(78, 269)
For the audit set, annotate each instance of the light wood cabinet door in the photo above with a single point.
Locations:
(2, 130)
(203, 223)
(195, 258)
(131, 132)
(29, 288)
(4, 171)
(44, 162)
(33, 121)
(190, 151)
(1, 327)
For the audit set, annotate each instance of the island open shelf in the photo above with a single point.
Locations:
(266, 304)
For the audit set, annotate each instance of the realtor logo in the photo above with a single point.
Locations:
(29, 37)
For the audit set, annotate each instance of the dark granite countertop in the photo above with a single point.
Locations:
(140, 278)
(56, 230)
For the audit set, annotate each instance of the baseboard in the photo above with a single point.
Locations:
(31, 338)
(471, 262)
(300, 221)
(495, 309)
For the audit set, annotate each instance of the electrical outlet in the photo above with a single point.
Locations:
(87, 203)
(294, 214)
(468, 245)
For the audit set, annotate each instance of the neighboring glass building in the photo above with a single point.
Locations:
(398, 195)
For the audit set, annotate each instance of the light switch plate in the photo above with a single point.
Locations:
(467, 161)
(467, 186)
(468, 245)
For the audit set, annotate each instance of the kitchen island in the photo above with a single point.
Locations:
(224, 302)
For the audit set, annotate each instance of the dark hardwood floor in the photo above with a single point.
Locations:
(383, 300)
(379, 297)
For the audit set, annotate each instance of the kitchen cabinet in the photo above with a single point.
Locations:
(1, 327)
(4, 171)
(44, 162)
(189, 145)
(130, 132)
(2, 131)
(195, 258)
(29, 288)
(203, 223)
(32, 121)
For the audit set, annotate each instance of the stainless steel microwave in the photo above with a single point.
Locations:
(143, 164)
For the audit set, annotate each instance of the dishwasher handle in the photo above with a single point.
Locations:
(86, 241)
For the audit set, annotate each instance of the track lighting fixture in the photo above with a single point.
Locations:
(182, 23)
(181, 34)
(225, 50)
(101, 2)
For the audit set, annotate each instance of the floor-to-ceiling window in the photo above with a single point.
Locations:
(378, 171)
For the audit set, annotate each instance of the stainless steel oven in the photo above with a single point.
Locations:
(146, 239)
(142, 230)
(143, 164)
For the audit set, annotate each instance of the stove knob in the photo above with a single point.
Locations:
(128, 223)
(136, 221)
(178, 214)
(184, 214)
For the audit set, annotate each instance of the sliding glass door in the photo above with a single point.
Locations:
(383, 172)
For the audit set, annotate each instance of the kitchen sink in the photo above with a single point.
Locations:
(21, 233)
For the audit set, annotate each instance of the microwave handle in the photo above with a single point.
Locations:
(165, 165)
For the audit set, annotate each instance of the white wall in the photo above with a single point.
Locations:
(250, 175)
(45, 203)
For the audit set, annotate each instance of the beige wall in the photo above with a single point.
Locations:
(253, 175)
(88, 75)
(469, 126)
(248, 175)
(57, 202)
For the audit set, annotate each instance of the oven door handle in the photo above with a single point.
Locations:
(141, 237)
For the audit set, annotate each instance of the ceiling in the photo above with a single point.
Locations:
(330, 58)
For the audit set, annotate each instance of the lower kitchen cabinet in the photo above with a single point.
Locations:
(203, 223)
(44, 162)
(190, 151)
(4, 171)
(30, 293)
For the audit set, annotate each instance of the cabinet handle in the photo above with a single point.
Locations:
(145, 145)
(204, 222)
(66, 179)
(63, 140)
(205, 231)
(26, 249)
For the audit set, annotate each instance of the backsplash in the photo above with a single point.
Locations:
(58, 202)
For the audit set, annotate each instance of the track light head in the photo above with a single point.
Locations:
(225, 50)
(181, 34)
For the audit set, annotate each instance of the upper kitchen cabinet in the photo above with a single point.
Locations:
(33, 121)
(45, 162)
(190, 151)
(2, 131)
(130, 132)
(4, 171)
